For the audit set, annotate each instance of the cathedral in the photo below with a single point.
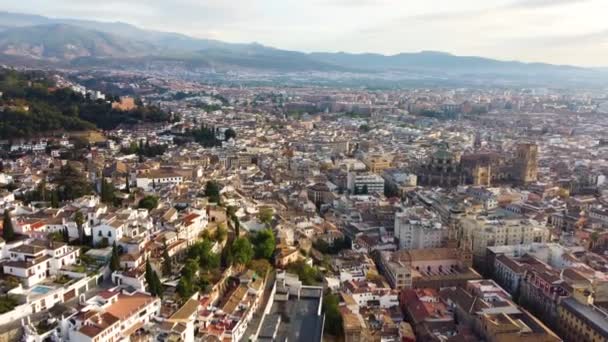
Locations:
(449, 168)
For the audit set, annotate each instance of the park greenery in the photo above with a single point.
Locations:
(201, 265)
(149, 202)
(309, 275)
(336, 247)
(212, 191)
(333, 317)
(264, 244)
(33, 105)
(145, 149)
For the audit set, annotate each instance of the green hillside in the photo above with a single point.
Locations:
(30, 105)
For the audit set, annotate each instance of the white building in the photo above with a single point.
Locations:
(368, 294)
(112, 316)
(112, 227)
(496, 229)
(364, 183)
(190, 226)
(419, 228)
(154, 178)
(33, 262)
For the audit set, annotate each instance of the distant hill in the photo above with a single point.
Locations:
(29, 39)
(426, 60)
(66, 42)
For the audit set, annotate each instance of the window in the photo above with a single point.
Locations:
(109, 233)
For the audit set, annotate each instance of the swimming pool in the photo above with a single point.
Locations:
(41, 289)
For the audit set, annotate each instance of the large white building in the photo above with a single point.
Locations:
(33, 262)
(500, 229)
(361, 182)
(156, 178)
(419, 228)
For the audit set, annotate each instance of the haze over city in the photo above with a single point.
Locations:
(570, 32)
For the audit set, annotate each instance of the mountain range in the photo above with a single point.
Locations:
(81, 43)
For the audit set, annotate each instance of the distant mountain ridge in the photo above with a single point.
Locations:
(91, 43)
(66, 42)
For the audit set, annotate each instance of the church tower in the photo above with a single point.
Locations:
(526, 163)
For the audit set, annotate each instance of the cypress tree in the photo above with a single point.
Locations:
(115, 259)
(127, 185)
(66, 235)
(55, 198)
(166, 262)
(8, 231)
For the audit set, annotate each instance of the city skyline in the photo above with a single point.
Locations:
(523, 30)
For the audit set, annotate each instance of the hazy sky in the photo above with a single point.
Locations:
(555, 31)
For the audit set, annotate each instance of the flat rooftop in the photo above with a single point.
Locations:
(293, 320)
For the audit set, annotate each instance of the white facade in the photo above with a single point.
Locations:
(357, 182)
(417, 228)
(149, 182)
(33, 262)
(192, 225)
(117, 316)
(107, 231)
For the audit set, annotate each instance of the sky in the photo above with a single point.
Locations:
(573, 32)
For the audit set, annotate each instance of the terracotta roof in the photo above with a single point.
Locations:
(426, 254)
(127, 305)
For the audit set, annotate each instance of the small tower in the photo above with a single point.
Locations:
(526, 163)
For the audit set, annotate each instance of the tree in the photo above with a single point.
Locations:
(595, 236)
(260, 266)
(333, 317)
(107, 192)
(148, 202)
(8, 231)
(336, 247)
(154, 284)
(212, 190)
(265, 244)
(230, 134)
(66, 235)
(55, 199)
(72, 183)
(231, 211)
(220, 234)
(237, 226)
(202, 252)
(265, 215)
(226, 258)
(127, 185)
(309, 275)
(79, 220)
(167, 263)
(148, 274)
(55, 236)
(186, 287)
(115, 258)
(242, 251)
